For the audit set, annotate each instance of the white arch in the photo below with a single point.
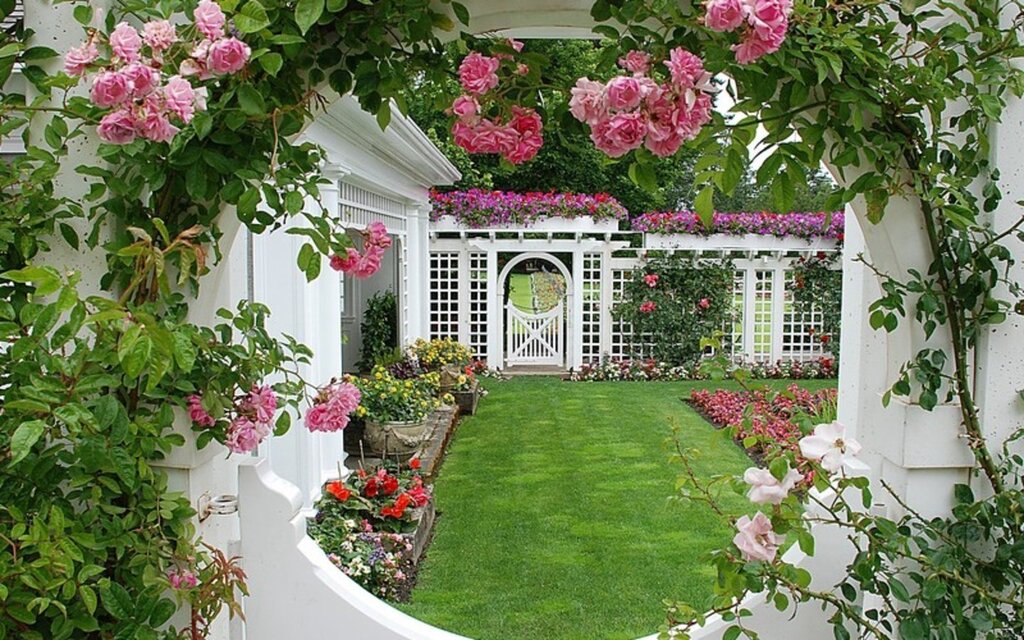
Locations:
(571, 321)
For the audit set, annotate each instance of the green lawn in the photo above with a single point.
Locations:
(520, 291)
(555, 519)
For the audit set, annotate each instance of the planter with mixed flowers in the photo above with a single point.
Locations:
(395, 412)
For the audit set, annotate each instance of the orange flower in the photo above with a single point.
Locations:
(338, 489)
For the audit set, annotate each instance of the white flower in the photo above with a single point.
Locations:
(828, 446)
(766, 488)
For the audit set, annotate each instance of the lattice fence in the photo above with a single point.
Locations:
(590, 326)
(761, 340)
(800, 338)
(478, 304)
(444, 295)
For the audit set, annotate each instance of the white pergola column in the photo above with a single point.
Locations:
(574, 357)
(495, 314)
(418, 269)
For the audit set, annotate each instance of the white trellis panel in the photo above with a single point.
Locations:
(801, 332)
(444, 295)
(622, 331)
(761, 306)
(536, 338)
(477, 308)
(359, 207)
(734, 328)
(590, 326)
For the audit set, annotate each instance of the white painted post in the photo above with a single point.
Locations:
(495, 314)
(575, 327)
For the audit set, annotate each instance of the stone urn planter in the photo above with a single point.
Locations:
(449, 380)
(467, 400)
(395, 439)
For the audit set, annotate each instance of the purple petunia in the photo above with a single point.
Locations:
(478, 208)
(781, 225)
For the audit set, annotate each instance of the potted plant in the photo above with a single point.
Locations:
(395, 412)
(466, 391)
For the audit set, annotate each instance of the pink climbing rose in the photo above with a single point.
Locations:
(117, 127)
(765, 488)
(687, 69)
(619, 134)
(125, 43)
(724, 15)
(244, 435)
(756, 539)
(648, 307)
(759, 42)
(182, 579)
(333, 407)
(261, 402)
(465, 108)
(77, 59)
(210, 19)
(638, 62)
(144, 78)
(197, 413)
(623, 93)
(588, 103)
(229, 55)
(180, 98)
(159, 35)
(110, 88)
(154, 124)
(651, 280)
(478, 73)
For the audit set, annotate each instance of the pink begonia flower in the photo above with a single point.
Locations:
(197, 64)
(228, 55)
(619, 134)
(623, 93)
(687, 69)
(180, 98)
(648, 307)
(154, 125)
(197, 413)
(651, 279)
(765, 488)
(588, 103)
(110, 88)
(759, 42)
(244, 435)
(638, 62)
(210, 19)
(465, 108)
(829, 446)
(724, 15)
(125, 43)
(182, 579)
(756, 539)
(262, 401)
(478, 73)
(78, 58)
(117, 127)
(144, 78)
(159, 35)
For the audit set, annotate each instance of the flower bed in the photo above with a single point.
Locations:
(764, 421)
(786, 225)
(478, 208)
(650, 370)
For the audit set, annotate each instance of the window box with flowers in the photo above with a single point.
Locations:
(817, 231)
(395, 413)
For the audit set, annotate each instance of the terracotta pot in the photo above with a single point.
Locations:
(400, 439)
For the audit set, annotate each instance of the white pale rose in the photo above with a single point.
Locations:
(829, 446)
(766, 488)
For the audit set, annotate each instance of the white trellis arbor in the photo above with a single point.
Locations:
(467, 283)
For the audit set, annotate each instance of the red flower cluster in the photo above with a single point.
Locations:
(338, 489)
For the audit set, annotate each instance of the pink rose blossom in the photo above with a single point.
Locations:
(588, 103)
(619, 134)
(623, 93)
(465, 108)
(490, 137)
(766, 15)
(478, 73)
(651, 280)
(180, 98)
(346, 263)
(125, 43)
(766, 488)
(154, 125)
(144, 78)
(638, 62)
(110, 88)
(159, 35)
(526, 149)
(686, 68)
(244, 435)
(334, 407)
(78, 58)
(663, 142)
(197, 64)
(756, 539)
(648, 307)
(704, 303)
(262, 402)
(197, 413)
(209, 19)
(117, 127)
(724, 15)
(377, 235)
(229, 55)
(760, 42)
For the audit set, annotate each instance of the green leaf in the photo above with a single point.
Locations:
(83, 14)
(24, 438)
(704, 205)
(461, 12)
(307, 12)
(271, 63)
(88, 597)
(117, 601)
(251, 101)
(252, 17)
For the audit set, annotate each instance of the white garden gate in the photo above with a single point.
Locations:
(535, 338)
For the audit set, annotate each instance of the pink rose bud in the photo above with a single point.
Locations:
(117, 127)
(125, 43)
(209, 19)
(159, 35)
(228, 55)
(110, 88)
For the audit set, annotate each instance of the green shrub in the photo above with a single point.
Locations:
(380, 330)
